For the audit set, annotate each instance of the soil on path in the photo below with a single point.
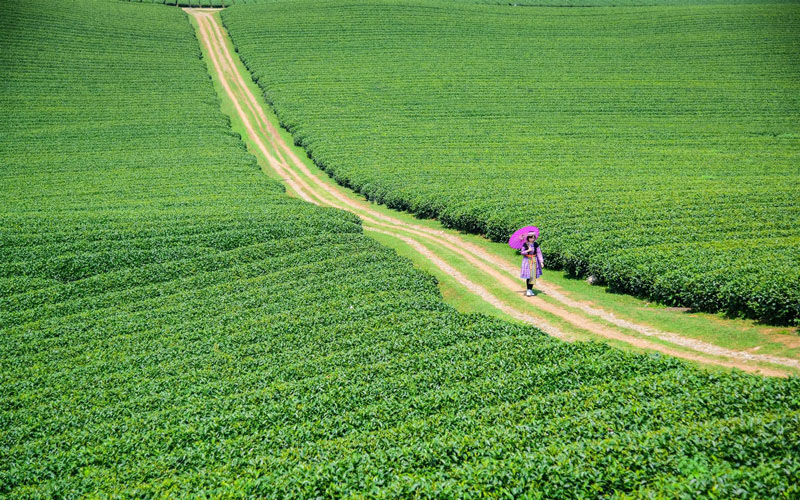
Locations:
(583, 316)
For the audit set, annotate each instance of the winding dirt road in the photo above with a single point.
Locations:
(554, 304)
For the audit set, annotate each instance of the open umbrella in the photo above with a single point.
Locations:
(518, 238)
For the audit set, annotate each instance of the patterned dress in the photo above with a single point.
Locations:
(528, 261)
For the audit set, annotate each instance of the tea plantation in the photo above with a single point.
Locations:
(657, 147)
(172, 325)
(521, 3)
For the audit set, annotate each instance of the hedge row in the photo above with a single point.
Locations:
(656, 148)
(172, 325)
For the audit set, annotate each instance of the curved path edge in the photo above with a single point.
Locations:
(581, 315)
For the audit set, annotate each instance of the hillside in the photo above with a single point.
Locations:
(513, 3)
(656, 147)
(173, 325)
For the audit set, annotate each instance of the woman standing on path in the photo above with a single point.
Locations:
(532, 262)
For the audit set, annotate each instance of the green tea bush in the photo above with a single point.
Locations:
(173, 325)
(508, 3)
(656, 147)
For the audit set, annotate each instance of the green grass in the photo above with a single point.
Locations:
(173, 325)
(657, 147)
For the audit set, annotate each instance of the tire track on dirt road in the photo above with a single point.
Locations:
(307, 185)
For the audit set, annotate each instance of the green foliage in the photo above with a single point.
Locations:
(657, 147)
(509, 3)
(172, 325)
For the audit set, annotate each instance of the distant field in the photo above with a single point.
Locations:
(658, 148)
(521, 3)
(173, 325)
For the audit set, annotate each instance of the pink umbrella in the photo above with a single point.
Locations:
(518, 238)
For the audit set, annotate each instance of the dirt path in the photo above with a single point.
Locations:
(307, 185)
